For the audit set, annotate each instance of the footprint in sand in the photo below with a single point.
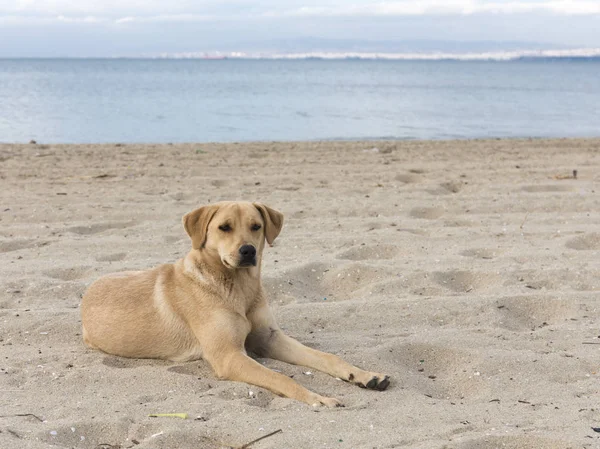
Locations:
(418, 283)
(181, 196)
(481, 253)
(17, 244)
(458, 223)
(370, 252)
(585, 242)
(409, 178)
(465, 281)
(68, 274)
(436, 371)
(260, 398)
(524, 313)
(301, 284)
(112, 434)
(115, 257)
(548, 188)
(427, 213)
(421, 232)
(453, 186)
(249, 394)
(348, 281)
(563, 279)
(447, 188)
(320, 282)
(278, 290)
(150, 398)
(96, 228)
(219, 182)
(88, 434)
(512, 442)
(170, 239)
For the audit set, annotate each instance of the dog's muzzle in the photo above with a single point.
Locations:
(247, 256)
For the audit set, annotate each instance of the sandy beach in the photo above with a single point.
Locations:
(467, 270)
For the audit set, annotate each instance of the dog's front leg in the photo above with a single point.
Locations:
(222, 342)
(284, 348)
(268, 340)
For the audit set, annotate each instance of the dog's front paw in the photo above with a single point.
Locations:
(373, 381)
(318, 401)
(379, 383)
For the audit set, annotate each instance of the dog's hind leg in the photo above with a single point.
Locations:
(86, 338)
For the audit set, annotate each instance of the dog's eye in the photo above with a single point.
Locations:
(225, 228)
(255, 227)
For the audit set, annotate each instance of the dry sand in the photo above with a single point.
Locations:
(466, 270)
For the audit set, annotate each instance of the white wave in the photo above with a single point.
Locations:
(485, 56)
(416, 56)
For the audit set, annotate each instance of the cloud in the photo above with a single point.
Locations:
(45, 20)
(451, 7)
(86, 19)
(131, 11)
(167, 18)
(125, 20)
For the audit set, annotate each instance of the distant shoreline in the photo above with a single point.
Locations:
(312, 58)
(371, 143)
(585, 54)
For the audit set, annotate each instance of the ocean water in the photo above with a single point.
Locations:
(119, 100)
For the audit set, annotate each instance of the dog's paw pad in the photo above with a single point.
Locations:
(383, 384)
(376, 384)
(372, 383)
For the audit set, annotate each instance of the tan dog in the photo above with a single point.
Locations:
(210, 305)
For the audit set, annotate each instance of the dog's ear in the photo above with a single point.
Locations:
(196, 224)
(273, 221)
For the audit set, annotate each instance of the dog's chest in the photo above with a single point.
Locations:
(242, 301)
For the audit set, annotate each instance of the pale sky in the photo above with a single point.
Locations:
(136, 27)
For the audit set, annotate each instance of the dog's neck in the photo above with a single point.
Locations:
(206, 268)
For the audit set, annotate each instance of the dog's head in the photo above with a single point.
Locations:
(233, 231)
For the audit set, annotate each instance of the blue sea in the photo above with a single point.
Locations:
(154, 100)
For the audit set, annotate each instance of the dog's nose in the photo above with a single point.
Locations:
(248, 252)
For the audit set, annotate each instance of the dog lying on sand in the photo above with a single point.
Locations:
(211, 305)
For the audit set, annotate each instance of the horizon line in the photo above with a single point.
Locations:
(510, 55)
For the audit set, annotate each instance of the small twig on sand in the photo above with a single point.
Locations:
(13, 433)
(247, 445)
(169, 415)
(524, 220)
(591, 343)
(23, 414)
(572, 176)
